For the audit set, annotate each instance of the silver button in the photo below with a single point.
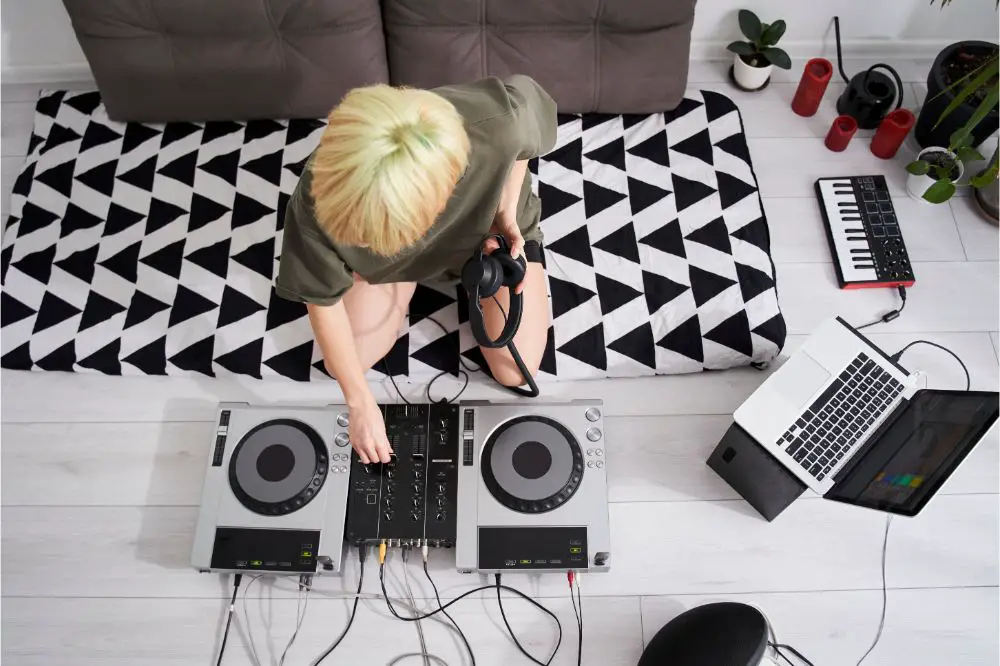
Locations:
(593, 414)
(590, 452)
(341, 439)
(599, 452)
(594, 434)
(343, 421)
(600, 464)
(590, 463)
(343, 469)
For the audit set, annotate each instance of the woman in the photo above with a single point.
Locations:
(404, 187)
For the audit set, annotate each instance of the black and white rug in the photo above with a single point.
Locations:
(151, 249)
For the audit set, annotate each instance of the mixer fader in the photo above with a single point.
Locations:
(412, 498)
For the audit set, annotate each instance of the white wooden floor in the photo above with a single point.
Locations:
(101, 479)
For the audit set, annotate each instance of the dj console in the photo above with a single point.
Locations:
(515, 486)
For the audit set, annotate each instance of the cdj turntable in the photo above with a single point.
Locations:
(532, 488)
(275, 492)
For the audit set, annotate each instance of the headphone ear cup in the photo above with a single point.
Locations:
(513, 269)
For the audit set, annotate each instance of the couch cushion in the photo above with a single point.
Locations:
(627, 56)
(162, 60)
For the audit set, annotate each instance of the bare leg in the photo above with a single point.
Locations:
(377, 312)
(531, 336)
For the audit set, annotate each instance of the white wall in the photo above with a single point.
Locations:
(38, 43)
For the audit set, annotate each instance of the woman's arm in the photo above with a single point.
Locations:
(332, 329)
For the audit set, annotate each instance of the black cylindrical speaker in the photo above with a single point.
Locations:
(720, 634)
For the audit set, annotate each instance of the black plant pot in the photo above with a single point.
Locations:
(935, 103)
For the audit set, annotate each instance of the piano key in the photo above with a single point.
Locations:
(858, 238)
(840, 219)
(860, 251)
(854, 231)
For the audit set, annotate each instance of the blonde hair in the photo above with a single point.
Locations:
(386, 166)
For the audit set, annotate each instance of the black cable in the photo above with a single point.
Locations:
(881, 622)
(464, 370)
(362, 553)
(968, 379)
(461, 633)
(891, 314)
(443, 607)
(798, 654)
(578, 612)
(511, 631)
(229, 620)
(532, 390)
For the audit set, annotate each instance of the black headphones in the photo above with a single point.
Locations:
(482, 277)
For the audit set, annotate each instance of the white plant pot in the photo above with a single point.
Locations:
(916, 186)
(749, 77)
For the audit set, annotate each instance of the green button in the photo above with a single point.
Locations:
(255, 563)
(525, 561)
(576, 549)
(307, 553)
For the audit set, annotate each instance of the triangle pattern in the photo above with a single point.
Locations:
(167, 259)
(735, 145)
(97, 134)
(567, 295)
(18, 359)
(258, 257)
(716, 105)
(197, 357)
(685, 340)
(120, 219)
(733, 190)
(58, 136)
(597, 198)
(660, 290)
(637, 344)
(151, 359)
(223, 166)
(142, 307)
(98, 310)
(689, 192)
(614, 294)
(258, 129)
(62, 358)
(53, 311)
(686, 106)
(142, 175)
(213, 258)
(707, 286)
(714, 235)
(124, 263)
(293, 363)
(34, 218)
(667, 238)
(753, 282)
(218, 129)
(100, 178)
(612, 154)
(81, 264)
(773, 330)
(76, 219)
(204, 211)
(105, 359)
(236, 307)
(59, 178)
(733, 333)
(441, 353)
(697, 145)
(137, 134)
(267, 166)
(245, 360)
(655, 149)
(554, 200)
(86, 103)
(642, 195)
(188, 304)
(37, 264)
(568, 155)
(176, 131)
(247, 210)
(12, 310)
(588, 347)
(621, 243)
(181, 169)
(755, 233)
(161, 213)
(281, 311)
(575, 245)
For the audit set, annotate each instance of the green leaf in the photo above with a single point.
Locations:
(968, 154)
(777, 57)
(985, 107)
(940, 172)
(940, 191)
(918, 167)
(992, 62)
(750, 25)
(984, 177)
(985, 74)
(773, 33)
(960, 138)
(742, 48)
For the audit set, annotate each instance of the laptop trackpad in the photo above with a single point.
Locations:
(799, 379)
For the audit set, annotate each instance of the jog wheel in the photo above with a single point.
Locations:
(278, 467)
(532, 464)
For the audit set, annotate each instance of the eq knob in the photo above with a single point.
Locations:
(440, 487)
(416, 501)
(414, 516)
(439, 516)
(390, 473)
(387, 515)
(440, 501)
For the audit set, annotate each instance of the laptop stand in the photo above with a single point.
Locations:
(754, 473)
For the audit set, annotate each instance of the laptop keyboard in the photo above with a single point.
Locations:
(830, 427)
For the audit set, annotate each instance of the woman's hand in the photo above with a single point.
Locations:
(505, 220)
(367, 433)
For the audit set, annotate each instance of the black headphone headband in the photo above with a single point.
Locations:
(482, 277)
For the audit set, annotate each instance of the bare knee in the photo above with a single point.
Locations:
(506, 372)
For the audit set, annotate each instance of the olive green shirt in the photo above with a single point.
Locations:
(506, 121)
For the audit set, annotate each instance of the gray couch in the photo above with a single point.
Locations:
(161, 60)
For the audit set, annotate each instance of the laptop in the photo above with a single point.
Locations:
(852, 425)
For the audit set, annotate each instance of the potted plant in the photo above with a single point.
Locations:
(755, 57)
(935, 172)
(958, 83)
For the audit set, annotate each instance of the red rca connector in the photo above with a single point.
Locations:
(570, 576)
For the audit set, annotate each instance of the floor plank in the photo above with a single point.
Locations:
(16, 120)
(39, 397)
(56, 632)
(948, 296)
(922, 627)
(765, 113)
(799, 236)
(28, 92)
(650, 459)
(815, 545)
(980, 238)
(996, 342)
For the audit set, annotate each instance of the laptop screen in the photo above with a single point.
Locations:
(912, 456)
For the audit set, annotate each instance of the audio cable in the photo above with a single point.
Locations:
(229, 618)
(362, 555)
(511, 631)
(437, 596)
(574, 580)
(899, 354)
(891, 314)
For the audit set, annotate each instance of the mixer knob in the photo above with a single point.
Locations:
(388, 503)
(414, 516)
(440, 501)
(416, 501)
(444, 423)
(390, 473)
(440, 487)
(342, 439)
(343, 420)
(439, 516)
(416, 487)
(387, 515)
